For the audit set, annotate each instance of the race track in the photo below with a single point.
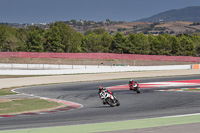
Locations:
(149, 104)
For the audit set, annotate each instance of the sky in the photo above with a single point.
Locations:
(48, 11)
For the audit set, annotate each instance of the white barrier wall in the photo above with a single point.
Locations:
(45, 69)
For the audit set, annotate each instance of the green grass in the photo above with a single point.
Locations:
(2, 93)
(115, 126)
(20, 76)
(6, 91)
(22, 105)
(198, 89)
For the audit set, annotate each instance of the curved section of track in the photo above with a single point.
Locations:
(148, 104)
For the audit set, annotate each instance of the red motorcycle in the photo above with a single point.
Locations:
(134, 86)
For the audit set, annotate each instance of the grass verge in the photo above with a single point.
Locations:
(7, 91)
(26, 105)
(120, 126)
(19, 76)
(198, 89)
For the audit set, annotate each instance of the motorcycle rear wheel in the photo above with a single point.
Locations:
(110, 102)
(137, 90)
(118, 103)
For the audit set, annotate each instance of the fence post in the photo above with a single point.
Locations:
(174, 61)
(98, 63)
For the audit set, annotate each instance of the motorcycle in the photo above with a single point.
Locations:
(109, 99)
(135, 87)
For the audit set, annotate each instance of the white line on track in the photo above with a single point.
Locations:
(179, 115)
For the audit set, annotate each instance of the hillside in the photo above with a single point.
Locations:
(185, 20)
(191, 14)
(173, 27)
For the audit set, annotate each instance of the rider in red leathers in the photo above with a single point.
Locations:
(132, 84)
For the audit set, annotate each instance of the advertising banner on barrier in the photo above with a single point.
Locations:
(195, 66)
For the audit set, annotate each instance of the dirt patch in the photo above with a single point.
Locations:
(6, 100)
(184, 22)
(164, 25)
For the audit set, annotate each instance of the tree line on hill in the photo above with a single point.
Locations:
(61, 38)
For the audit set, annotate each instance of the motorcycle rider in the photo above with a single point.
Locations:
(132, 84)
(101, 89)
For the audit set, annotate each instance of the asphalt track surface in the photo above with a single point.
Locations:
(149, 104)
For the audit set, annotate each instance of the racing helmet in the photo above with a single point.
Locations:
(100, 88)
